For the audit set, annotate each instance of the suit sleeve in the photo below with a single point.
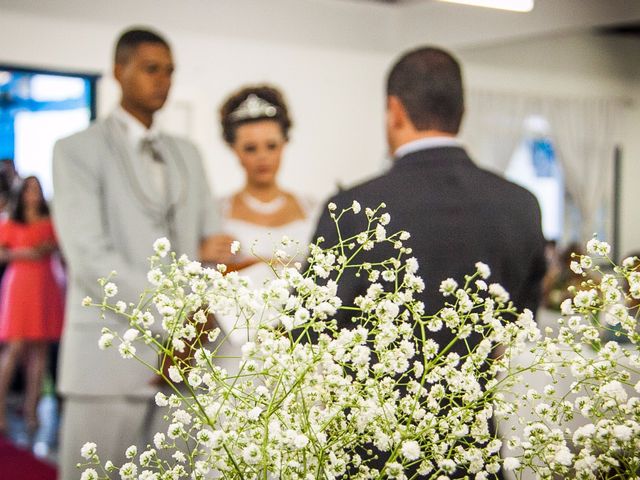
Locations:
(79, 215)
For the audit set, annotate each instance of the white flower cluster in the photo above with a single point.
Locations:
(309, 397)
(593, 430)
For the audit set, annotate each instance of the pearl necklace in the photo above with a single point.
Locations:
(266, 208)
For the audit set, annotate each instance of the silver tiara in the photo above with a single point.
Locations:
(253, 107)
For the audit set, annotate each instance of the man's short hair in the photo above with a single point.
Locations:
(131, 39)
(428, 83)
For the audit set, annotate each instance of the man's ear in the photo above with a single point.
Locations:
(396, 113)
(117, 72)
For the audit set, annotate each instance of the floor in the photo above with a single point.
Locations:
(43, 443)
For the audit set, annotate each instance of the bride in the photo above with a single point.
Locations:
(255, 125)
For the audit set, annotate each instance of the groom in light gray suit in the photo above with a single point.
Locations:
(120, 185)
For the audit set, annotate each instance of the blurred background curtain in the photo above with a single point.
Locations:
(585, 132)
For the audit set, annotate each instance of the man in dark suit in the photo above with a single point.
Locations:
(457, 213)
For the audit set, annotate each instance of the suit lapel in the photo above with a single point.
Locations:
(134, 171)
(174, 170)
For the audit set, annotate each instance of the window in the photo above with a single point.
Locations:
(37, 108)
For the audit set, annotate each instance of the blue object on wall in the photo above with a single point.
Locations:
(544, 158)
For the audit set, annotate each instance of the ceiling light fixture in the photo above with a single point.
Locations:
(513, 5)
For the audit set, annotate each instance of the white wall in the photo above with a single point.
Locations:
(335, 98)
(335, 95)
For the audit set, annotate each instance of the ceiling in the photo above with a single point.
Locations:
(626, 29)
(372, 25)
(392, 2)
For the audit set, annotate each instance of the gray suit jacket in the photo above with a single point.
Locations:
(107, 218)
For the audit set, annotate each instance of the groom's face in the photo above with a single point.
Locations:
(145, 77)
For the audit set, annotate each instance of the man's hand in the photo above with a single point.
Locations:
(217, 249)
(184, 357)
(166, 361)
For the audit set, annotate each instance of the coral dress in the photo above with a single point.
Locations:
(31, 300)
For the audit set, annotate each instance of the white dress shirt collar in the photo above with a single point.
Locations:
(141, 140)
(424, 143)
(136, 131)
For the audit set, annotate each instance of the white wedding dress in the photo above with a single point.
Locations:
(262, 241)
(259, 241)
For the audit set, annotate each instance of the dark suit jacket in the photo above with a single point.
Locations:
(457, 214)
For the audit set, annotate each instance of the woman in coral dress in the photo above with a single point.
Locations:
(31, 303)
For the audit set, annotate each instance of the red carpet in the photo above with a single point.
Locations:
(17, 464)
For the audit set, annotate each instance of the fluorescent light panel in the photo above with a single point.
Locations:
(513, 5)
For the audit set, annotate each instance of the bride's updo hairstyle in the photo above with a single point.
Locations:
(253, 104)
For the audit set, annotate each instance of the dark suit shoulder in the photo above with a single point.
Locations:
(362, 192)
(367, 194)
(507, 187)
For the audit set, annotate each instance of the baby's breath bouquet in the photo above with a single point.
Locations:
(284, 390)
(582, 419)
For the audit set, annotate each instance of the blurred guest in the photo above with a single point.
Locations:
(9, 172)
(611, 327)
(255, 124)
(633, 296)
(560, 277)
(551, 253)
(5, 198)
(633, 300)
(31, 308)
(5, 193)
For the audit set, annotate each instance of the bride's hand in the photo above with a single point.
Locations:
(217, 249)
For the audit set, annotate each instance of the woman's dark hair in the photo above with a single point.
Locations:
(266, 93)
(5, 185)
(17, 209)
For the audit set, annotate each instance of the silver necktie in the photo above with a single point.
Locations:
(160, 178)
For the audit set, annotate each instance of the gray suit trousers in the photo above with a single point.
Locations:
(113, 423)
